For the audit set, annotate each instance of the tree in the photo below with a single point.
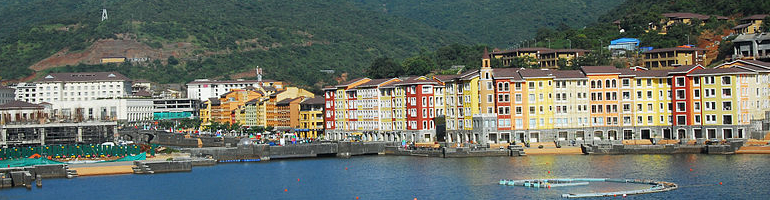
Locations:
(524, 62)
(384, 67)
(419, 65)
(766, 24)
(172, 61)
(595, 58)
(564, 64)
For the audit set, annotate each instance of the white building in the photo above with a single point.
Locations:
(203, 89)
(6, 94)
(127, 110)
(25, 92)
(58, 88)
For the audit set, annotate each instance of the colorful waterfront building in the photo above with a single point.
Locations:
(311, 118)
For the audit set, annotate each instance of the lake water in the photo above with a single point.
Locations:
(391, 177)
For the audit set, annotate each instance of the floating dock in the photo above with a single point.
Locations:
(656, 186)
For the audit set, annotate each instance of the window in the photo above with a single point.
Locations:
(680, 94)
(626, 82)
(489, 98)
(726, 80)
(727, 105)
(680, 81)
(709, 80)
(696, 93)
(518, 98)
(681, 107)
(697, 119)
(696, 106)
(489, 85)
(696, 80)
(727, 119)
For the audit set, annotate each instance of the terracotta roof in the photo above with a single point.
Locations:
(675, 49)
(750, 67)
(445, 78)
(690, 16)
(207, 81)
(287, 101)
(417, 81)
(522, 49)
(507, 73)
(682, 69)
(755, 17)
(486, 54)
(5, 88)
(269, 88)
(568, 74)
(374, 82)
(214, 101)
(535, 73)
(318, 100)
(143, 93)
(253, 101)
(469, 75)
(17, 105)
(715, 71)
(651, 73)
(345, 84)
(590, 70)
(564, 51)
(84, 76)
(756, 62)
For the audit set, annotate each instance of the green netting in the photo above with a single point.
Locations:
(23, 162)
(141, 156)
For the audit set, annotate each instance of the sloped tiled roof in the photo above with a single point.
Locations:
(535, 73)
(675, 49)
(683, 15)
(592, 70)
(16, 105)
(374, 82)
(84, 76)
(568, 74)
(318, 100)
(507, 73)
(683, 69)
(347, 83)
(651, 73)
(716, 71)
(755, 17)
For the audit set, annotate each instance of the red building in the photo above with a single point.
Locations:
(682, 95)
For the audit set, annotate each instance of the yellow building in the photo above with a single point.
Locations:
(671, 57)
(750, 25)
(550, 58)
(670, 19)
(311, 118)
(531, 54)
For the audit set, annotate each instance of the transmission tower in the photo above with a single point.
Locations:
(104, 14)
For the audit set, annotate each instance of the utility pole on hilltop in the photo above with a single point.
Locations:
(104, 14)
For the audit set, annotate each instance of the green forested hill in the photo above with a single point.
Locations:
(500, 23)
(292, 40)
(303, 36)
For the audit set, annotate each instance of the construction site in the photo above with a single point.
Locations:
(22, 135)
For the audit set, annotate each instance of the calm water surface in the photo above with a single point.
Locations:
(389, 177)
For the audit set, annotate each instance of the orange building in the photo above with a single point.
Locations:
(603, 82)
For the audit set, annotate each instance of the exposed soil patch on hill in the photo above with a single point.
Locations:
(130, 49)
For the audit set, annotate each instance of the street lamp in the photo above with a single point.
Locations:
(549, 43)
(570, 43)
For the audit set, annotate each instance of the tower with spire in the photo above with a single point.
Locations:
(486, 85)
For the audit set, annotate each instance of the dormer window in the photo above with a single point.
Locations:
(111, 75)
(48, 77)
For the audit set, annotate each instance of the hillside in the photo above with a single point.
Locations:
(292, 40)
(500, 23)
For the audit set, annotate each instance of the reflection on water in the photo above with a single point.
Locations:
(388, 177)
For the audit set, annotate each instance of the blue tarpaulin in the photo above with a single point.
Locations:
(626, 41)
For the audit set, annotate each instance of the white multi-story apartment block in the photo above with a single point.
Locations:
(77, 87)
(25, 92)
(203, 89)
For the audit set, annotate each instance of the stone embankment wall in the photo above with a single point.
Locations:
(266, 152)
(609, 148)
